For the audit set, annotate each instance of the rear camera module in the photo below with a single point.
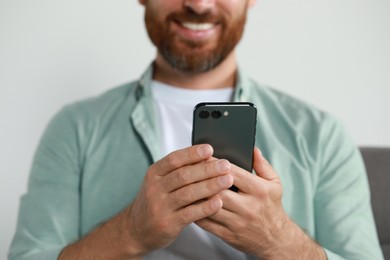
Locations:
(216, 114)
(204, 114)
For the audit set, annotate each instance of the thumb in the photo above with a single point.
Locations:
(262, 167)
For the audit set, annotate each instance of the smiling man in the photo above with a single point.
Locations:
(116, 177)
(194, 41)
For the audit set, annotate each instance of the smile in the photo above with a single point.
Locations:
(198, 26)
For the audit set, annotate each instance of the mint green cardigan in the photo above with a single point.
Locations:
(93, 156)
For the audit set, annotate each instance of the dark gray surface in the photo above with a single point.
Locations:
(377, 161)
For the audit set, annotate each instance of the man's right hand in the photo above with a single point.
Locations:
(177, 190)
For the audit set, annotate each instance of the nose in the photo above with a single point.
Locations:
(199, 6)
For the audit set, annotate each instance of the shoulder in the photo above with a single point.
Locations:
(295, 125)
(282, 104)
(82, 118)
(284, 109)
(107, 102)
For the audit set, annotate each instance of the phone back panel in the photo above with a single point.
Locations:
(231, 133)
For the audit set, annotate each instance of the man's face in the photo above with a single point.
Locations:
(195, 36)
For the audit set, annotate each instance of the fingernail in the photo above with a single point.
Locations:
(223, 166)
(260, 153)
(258, 149)
(205, 151)
(225, 180)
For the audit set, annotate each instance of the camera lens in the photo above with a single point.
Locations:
(204, 114)
(216, 114)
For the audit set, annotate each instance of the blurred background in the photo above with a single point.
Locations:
(333, 54)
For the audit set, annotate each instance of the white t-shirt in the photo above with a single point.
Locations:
(175, 106)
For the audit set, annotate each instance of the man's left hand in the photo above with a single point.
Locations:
(253, 220)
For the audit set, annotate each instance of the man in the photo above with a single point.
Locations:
(115, 177)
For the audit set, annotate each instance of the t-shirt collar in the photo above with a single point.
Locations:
(241, 92)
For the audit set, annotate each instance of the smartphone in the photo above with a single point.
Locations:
(230, 128)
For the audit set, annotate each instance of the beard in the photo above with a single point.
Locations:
(192, 57)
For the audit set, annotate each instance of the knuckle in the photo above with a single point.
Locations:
(211, 167)
(151, 187)
(154, 209)
(208, 209)
(159, 220)
(150, 173)
(215, 185)
(186, 217)
(262, 192)
(268, 191)
(149, 193)
(185, 196)
(241, 225)
(251, 216)
(172, 160)
(227, 235)
(181, 198)
(183, 176)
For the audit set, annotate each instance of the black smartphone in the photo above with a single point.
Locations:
(229, 128)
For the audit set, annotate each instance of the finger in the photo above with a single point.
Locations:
(233, 201)
(245, 181)
(180, 158)
(261, 166)
(195, 173)
(199, 191)
(223, 218)
(198, 211)
(213, 227)
(249, 183)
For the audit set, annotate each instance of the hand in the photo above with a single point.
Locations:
(251, 216)
(177, 190)
(253, 220)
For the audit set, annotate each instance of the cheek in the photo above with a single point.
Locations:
(233, 9)
(158, 10)
(164, 6)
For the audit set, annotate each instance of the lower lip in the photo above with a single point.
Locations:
(195, 35)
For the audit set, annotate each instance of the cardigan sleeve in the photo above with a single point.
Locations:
(49, 211)
(344, 220)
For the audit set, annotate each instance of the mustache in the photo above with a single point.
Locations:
(192, 17)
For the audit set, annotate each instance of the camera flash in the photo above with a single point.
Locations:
(226, 113)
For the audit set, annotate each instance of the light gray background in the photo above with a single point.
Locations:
(334, 54)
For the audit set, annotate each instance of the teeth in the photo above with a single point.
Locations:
(198, 26)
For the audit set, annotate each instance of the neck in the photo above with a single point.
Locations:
(222, 76)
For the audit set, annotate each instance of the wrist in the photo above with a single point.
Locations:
(132, 248)
(291, 242)
(111, 240)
